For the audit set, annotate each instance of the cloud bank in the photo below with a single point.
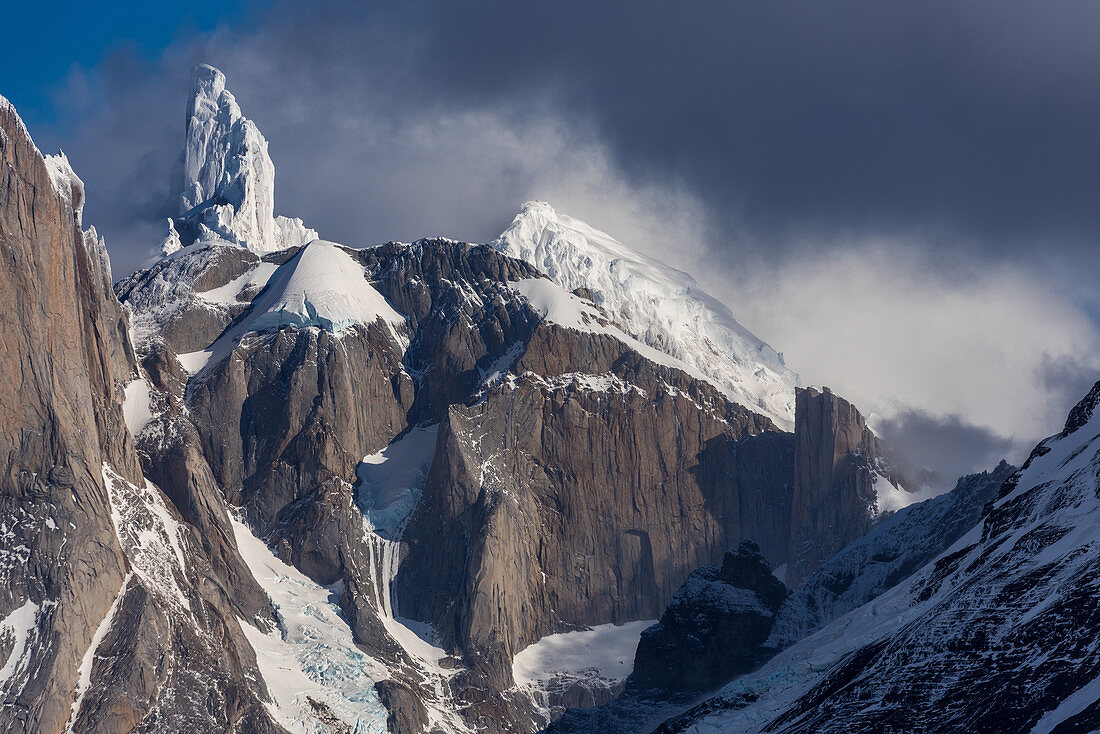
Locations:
(899, 196)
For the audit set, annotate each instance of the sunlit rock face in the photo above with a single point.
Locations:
(101, 579)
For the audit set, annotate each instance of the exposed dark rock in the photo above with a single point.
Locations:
(407, 714)
(574, 693)
(288, 411)
(837, 459)
(1082, 412)
(714, 627)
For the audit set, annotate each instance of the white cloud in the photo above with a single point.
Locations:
(894, 328)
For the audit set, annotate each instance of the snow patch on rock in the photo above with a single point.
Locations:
(84, 672)
(558, 306)
(889, 497)
(19, 626)
(254, 279)
(137, 409)
(150, 536)
(606, 650)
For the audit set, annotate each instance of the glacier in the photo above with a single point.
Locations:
(656, 304)
(310, 661)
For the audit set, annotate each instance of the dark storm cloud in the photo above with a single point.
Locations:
(973, 118)
(899, 195)
(972, 123)
(917, 441)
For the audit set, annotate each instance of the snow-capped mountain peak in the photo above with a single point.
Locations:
(655, 303)
(225, 180)
(323, 287)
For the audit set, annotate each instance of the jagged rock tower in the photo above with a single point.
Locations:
(224, 187)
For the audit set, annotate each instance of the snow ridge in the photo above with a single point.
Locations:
(324, 287)
(997, 625)
(656, 304)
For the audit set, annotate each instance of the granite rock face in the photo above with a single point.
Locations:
(64, 366)
(561, 500)
(573, 481)
(100, 576)
(837, 463)
(714, 627)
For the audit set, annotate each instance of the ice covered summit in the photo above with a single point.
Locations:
(659, 305)
(224, 183)
(224, 187)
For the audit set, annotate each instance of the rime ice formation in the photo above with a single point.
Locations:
(657, 304)
(225, 184)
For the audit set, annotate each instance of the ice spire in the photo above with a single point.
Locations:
(224, 186)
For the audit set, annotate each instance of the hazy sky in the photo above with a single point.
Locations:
(902, 197)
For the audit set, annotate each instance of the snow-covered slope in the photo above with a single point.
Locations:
(999, 633)
(657, 304)
(897, 547)
(556, 305)
(321, 286)
(225, 185)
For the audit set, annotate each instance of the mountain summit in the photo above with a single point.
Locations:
(224, 187)
(657, 304)
(280, 485)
